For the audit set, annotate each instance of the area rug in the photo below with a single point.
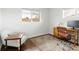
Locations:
(50, 43)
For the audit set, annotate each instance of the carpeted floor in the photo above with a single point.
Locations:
(45, 43)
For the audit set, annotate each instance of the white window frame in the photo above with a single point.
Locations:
(31, 13)
(70, 12)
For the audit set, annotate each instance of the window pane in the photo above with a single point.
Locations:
(36, 12)
(26, 15)
(26, 11)
(77, 11)
(35, 18)
(68, 12)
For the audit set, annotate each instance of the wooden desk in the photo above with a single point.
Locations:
(17, 37)
(74, 35)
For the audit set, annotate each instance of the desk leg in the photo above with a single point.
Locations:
(77, 37)
(76, 41)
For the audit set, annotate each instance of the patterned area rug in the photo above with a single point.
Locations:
(50, 43)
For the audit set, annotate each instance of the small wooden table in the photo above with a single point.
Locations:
(17, 37)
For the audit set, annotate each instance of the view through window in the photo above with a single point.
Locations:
(30, 15)
(70, 12)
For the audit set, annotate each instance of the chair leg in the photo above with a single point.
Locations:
(6, 45)
(18, 48)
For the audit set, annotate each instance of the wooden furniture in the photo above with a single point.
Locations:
(74, 35)
(15, 37)
(55, 32)
(60, 32)
(69, 34)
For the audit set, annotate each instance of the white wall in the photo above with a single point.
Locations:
(50, 18)
(0, 20)
(11, 18)
(56, 18)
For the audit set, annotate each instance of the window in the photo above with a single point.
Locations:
(70, 12)
(30, 16)
(77, 11)
(35, 16)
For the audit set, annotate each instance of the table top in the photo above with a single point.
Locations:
(72, 30)
(13, 37)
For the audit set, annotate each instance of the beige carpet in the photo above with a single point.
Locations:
(50, 43)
